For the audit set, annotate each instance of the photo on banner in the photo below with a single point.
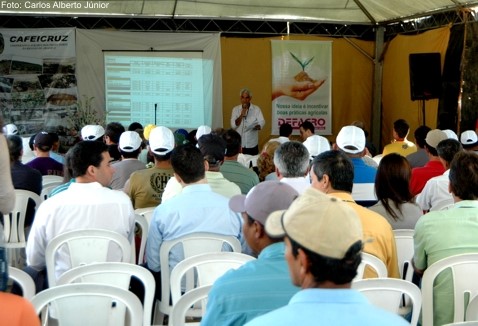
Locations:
(302, 85)
(38, 85)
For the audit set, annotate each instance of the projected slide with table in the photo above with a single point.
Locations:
(164, 88)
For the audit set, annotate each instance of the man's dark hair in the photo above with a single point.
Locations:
(307, 125)
(84, 154)
(233, 142)
(133, 154)
(420, 135)
(134, 126)
(188, 163)
(448, 148)
(162, 158)
(212, 148)
(464, 175)
(113, 131)
(431, 150)
(285, 130)
(292, 159)
(337, 166)
(401, 127)
(15, 147)
(337, 271)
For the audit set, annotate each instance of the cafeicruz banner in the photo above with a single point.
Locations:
(302, 85)
(38, 88)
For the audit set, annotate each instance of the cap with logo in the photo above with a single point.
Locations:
(161, 140)
(43, 139)
(92, 132)
(351, 140)
(129, 141)
(263, 199)
(324, 225)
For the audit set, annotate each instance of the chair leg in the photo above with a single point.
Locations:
(158, 318)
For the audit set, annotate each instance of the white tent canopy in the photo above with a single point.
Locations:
(338, 11)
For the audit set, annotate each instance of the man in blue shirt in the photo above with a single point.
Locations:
(261, 285)
(323, 239)
(196, 209)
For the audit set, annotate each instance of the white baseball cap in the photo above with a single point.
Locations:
(10, 129)
(468, 137)
(202, 130)
(316, 144)
(351, 139)
(161, 140)
(129, 141)
(450, 134)
(92, 132)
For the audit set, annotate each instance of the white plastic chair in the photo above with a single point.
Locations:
(405, 250)
(52, 179)
(387, 293)
(208, 267)
(24, 280)
(14, 224)
(46, 190)
(463, 268)
(115, 274)
(147, 212)
(88, 304)
(463, 323)
(374, 262)
(143, 224)
(180, 308)
(472, 310)
(192, 244)
(85, 247)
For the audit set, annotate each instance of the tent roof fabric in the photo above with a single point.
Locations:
(337, 11)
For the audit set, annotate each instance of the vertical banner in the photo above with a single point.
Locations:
(38, 88)
(302, 85)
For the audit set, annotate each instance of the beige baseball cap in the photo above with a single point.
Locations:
(325, 225)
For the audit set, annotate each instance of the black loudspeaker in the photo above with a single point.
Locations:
(425, 76)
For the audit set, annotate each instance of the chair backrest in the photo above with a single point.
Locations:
(463, 323)
(147, 212)
(24, 280)
(387, 293)
(192, 244)
(208, 267)
(405, 250)
(46, 190)
(472, 310)
(115, 274)
(143, 224)
(88, 304)
(180, 308)
(464, 286)
(85, 247)
(51, 179)
(14, 222)
(374, 262)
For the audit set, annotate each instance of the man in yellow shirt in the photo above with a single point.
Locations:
(400, 144)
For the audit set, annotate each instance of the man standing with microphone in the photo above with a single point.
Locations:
(247, 120)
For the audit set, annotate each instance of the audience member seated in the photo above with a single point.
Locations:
(445, 233)
(261, 285)
(146, 155)
(23, 177)
(420, 157)
(212, 148)
(433, 168)
(400, 144)
(435, 195)
(196, 209)
(315, 145)
(7, 192)
(392, 187)
(285, 130)
(332, 173)
(55, 147)
(42, 144)
(231, 169)
(265, 162)
(351, 141)
(146, 187)
(306, 129)
(113, 133)
(129, 147)
(372, 150)
(469, 140)
(323, 239)
(291, 160)
(88, 203)
(93, 133)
